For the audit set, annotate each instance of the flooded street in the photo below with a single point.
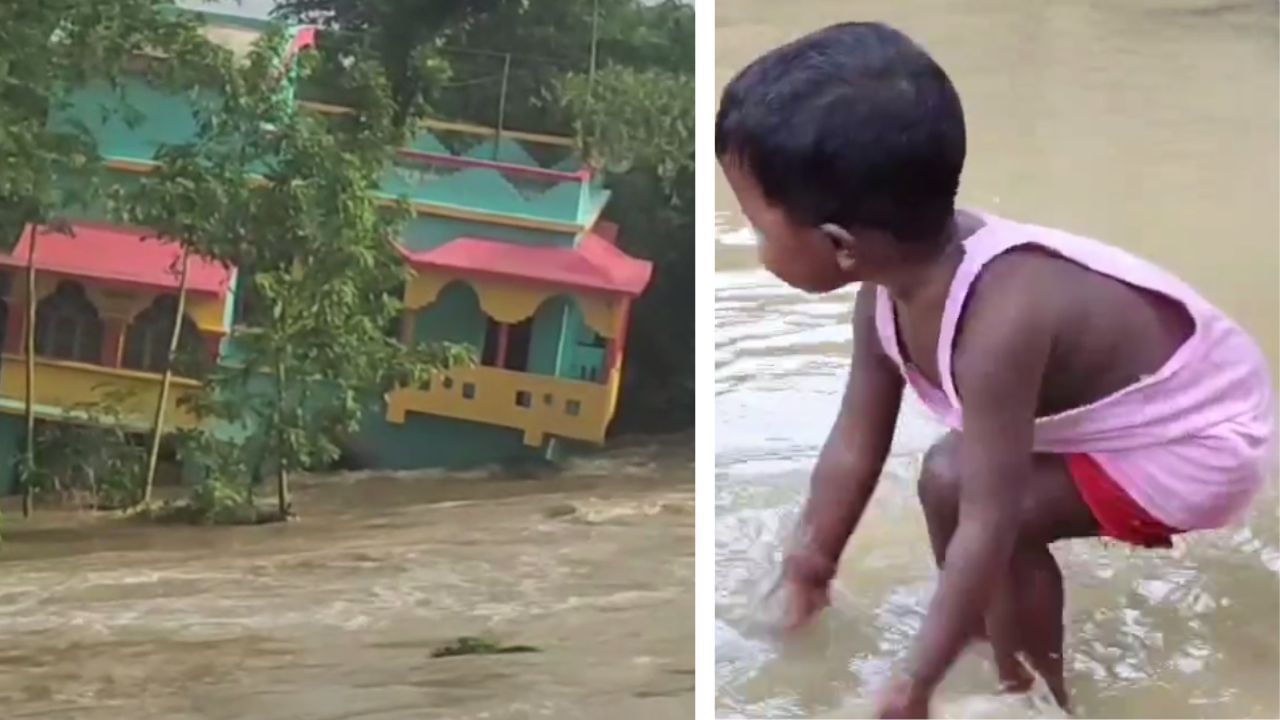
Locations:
(1147, 123)
(336, 616)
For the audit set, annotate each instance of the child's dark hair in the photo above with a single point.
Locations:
(855, 125)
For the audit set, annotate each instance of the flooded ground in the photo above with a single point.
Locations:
(1149, 123)
(335, 617)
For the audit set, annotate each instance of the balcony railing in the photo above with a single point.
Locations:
(80, 392)
(538, 405)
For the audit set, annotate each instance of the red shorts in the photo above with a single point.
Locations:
(1118, 515)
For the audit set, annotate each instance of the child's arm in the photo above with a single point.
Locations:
(998, 369)
(850, 462)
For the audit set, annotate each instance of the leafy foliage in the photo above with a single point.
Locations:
(95, 462)
(627, 118)
(405, 35)
(289, 199)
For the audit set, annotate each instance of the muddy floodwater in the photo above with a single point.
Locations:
(1149, 123)
(336, 616)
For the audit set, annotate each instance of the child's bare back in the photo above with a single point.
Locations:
(1087, 391)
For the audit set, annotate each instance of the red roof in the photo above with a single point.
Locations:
(595, 264)
(117, 254)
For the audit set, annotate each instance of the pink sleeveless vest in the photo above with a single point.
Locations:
(1191, 443)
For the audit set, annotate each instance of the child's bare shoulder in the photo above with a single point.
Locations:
(1023, 283)
(1025, 297)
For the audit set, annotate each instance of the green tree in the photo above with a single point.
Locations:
(405, 36)
(48, 49)
(639, 124)
(290, 199)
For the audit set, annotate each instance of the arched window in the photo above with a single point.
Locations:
(146, 342)
(68, 326)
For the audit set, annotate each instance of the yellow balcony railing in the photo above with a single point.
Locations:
(79, 392)
(539, 405)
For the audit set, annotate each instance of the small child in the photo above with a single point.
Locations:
(1088, 393)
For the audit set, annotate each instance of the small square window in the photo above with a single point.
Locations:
(447, 383)
(547, 399)
(468, 391)
(524, 398)
(426, 385)
(573, 407)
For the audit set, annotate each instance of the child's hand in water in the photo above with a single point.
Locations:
(806, 581)
(903, 699)
(804, 601)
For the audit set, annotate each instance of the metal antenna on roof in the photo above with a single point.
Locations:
(591, 68)
(595, 41)
(502, 104)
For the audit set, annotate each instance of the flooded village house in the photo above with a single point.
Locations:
(507, 250)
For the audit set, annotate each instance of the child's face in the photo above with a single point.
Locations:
(804, 257)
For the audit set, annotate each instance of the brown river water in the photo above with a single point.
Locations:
(1148, 123)
(335, 617)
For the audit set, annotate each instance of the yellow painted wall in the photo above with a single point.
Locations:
(67, 390)
(493, 400)
(510, 302)
(64, 389)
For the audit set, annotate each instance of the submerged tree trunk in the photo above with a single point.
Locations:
(29, 458)
(162, 404)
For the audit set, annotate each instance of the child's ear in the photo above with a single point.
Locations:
(844, 244)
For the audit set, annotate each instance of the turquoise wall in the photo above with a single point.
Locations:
(509, 151)
(546, 346)
(12, 431)
(594, 198)
(161, 118)
(455, 316)
(559, 348)
(488, 189)
(580, 360)
(436, 442)
(425, 232)
(504, 150)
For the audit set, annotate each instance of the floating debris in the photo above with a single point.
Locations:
(468, 645)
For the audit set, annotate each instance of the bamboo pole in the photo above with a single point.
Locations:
(162, 404)
(29, 460)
